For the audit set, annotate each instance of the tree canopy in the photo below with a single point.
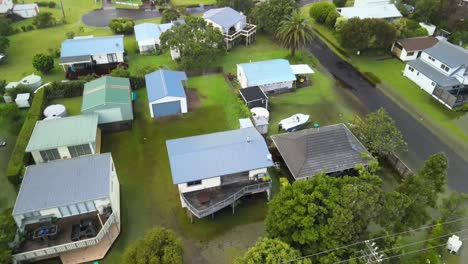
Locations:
(43, 62)
(244, 6)
(378, 132)
(319, 11)
(268, 15)
(159, 246)
(324, 212)
(295, 31)
(270, 251)
(4, 44)
(362, 34)
(199, 43)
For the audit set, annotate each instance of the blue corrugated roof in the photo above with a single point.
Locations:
(147, 31)
(92, 46)
(225, 16)
(268, 72)
(217, 154)
(162, 83)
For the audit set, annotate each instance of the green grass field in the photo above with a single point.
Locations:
(192, 2)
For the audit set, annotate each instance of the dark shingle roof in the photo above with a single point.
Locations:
(252, 94)
(421, 43)
(433, 74)
(327, 149)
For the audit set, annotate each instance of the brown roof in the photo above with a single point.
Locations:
(420, 43)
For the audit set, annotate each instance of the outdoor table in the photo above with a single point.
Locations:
(45, 232)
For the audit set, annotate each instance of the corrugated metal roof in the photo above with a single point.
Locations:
(92, 46)
(162, 83)
(268, 72)
(147, 31)
(67, 131)
(327, 149)
(217, 154)
(225, 16)
(449, 54)
(419, 43)
(106, 93)
(64, 182)
(370, 11)
(433, 74)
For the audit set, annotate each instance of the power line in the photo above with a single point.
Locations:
(377, 238)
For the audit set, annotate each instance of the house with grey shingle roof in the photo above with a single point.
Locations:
(442, 71)
(68, 209)
(110, 98)
(232, 24)
(332, 150)
(65, 138)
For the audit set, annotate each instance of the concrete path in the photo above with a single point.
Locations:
(421, 142)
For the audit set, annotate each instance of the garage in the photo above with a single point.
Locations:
(166, 93)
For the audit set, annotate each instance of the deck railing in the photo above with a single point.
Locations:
(55, 250)
(244, 32)
(229, 200)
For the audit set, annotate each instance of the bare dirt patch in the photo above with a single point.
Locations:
(193, 99)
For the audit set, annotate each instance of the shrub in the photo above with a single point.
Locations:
(43, 63)
(331, 19)
(52, 4)
(137, 82)
(5, 26)
(10, 112)
(17, 90)
(65, 89)
(54, 52)
(43, 20)
(462, 108)
(319, 11)
(340, 22)
(4, 44)
(122, 25)
(29, 27)
(19, 158)
(372, 78)
(120, 72)
(3, 84)
(70, 34)
(339, 3)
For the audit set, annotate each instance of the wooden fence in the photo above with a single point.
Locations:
(399, 165)
(204, 71)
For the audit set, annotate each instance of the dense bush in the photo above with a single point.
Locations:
(137, 82)
(43, 62)
(5, 26)
(268, 14)
(44, 20)
(19, 157)
(4, 44)
(120, 72)
(319, 11)
(172, 14)
(361, 34)
(3, 84)
(339, 3)
(65, 89)
(17, 90)
(70, 34)
(48, 4)
(330, 21)
(10, 112)
(122, 25)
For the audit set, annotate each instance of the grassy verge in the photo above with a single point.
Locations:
(73, 104)
(192, 2)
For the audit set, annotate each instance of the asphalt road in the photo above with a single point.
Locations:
(421, 142)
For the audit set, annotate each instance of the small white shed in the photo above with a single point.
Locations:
(454, 244)
(26, 10)
(22, 100)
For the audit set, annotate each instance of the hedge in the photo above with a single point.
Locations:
(19, 157)
(65, 89)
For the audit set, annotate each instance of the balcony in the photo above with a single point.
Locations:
(247, 31)
(69, 236)
(208, 201)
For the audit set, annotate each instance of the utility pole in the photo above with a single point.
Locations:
(372, 255)
(63, 11)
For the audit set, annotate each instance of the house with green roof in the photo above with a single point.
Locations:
(110, 98)
(65, 138)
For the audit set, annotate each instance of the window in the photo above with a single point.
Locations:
(433, 83)
(49, 154)
(445, 67)
(193, 183)
(411, 68)
(411, 53)
(432, 59)
(112, 57)
(79, 150)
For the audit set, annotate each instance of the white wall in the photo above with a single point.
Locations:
(420, 79)
(405, 57)
(206, 183)
(276, 86)
(241, 77)
(252, 173)
(183, 103)
(115, 191)
(102, 58)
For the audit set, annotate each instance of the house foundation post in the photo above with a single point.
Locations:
(233, 207)
(268, 194)
(191, 217)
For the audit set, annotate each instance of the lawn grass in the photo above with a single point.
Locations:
(73, 104)
(192, 2)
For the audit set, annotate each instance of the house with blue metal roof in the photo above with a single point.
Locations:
(147, 35)
(166, 94)
(88, 54)
(232, 24)
(441, 71)
(68, 207)
(213, 171)
(269, 75)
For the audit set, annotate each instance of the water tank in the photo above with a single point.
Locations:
(260, 117)
(56, 110)
(260, 112)
(32, 81)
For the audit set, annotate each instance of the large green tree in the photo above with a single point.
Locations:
(173, 13)
(244, 6)
(378, 132)
(295, 31)
(5, 26)
(319, 11)
(4, 44)
(268, 15)
(325, 212)
(43, 20)
(453, 208)
(158, 246)
(270, 251)
(427, 10)
(199, 43)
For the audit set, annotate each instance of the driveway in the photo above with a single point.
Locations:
(421, 142)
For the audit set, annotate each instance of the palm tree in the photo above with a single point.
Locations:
(294, 31)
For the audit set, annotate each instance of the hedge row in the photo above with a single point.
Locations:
(65, 89)
(19, 157)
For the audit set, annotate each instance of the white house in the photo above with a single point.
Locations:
(88, 54)
(166, 94)
(147, 35)
(382, 11)
(411, 48)
(68, 209)
(270, 75)
(370, 2)
(26, 10)
(232, 24)
(5, 6)
(213, 171)
(65, 138)
(442, 72)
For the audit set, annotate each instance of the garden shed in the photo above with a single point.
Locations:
(110, 98)
(22, 100)
(166, 94)
(254, 97)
